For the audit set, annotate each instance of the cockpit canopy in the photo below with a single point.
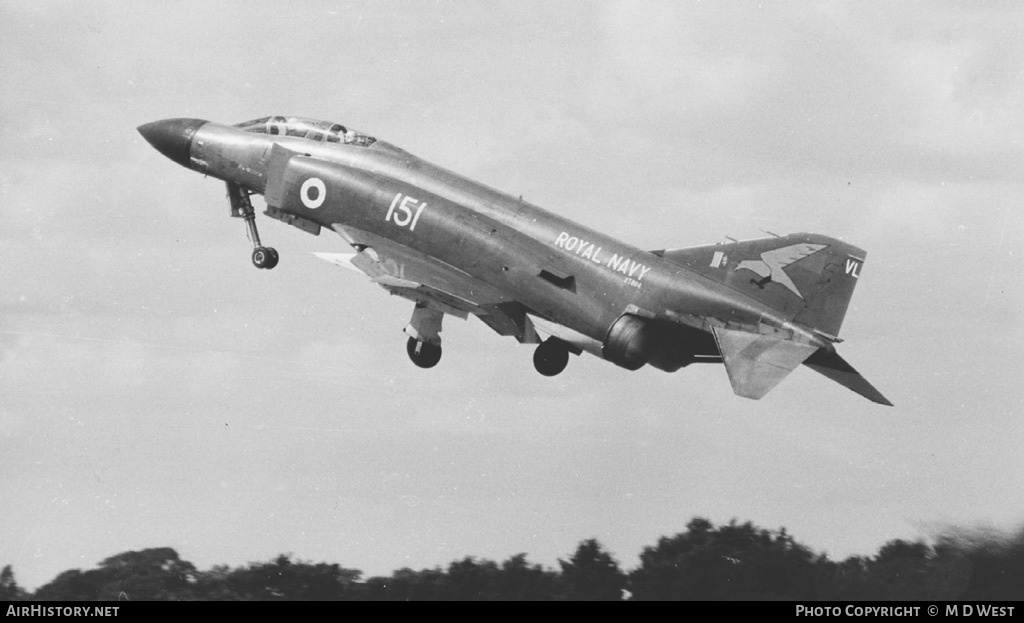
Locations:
(309, 129)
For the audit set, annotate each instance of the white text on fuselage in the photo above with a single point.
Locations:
(633, 271)
(404, 215)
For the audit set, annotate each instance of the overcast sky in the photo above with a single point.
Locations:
(158, 390)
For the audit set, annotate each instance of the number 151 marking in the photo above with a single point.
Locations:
(405, 212)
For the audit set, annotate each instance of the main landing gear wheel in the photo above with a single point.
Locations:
(551, 357)
(423, 354)
(264, 257)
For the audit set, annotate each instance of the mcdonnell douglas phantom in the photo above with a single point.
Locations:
(453, 246)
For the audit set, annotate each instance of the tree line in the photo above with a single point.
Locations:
(733, 561)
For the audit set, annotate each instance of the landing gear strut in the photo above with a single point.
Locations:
(241, 206)
(551, 357)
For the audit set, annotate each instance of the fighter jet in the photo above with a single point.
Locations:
(456, 247)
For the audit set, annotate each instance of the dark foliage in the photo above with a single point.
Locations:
(409, 585)
(592, 574)
(901, 571)
(151, 574)
(967, 567)
(282, 579)
(989, 566)
(734, 561)
(521, 581)
(469, 579)
(9, 589)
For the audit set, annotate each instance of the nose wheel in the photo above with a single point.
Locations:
(264, 257)
(241, 206)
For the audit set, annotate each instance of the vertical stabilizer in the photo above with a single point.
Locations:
(806, 277)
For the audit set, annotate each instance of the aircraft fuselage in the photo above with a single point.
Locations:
(628, 305)
(491, 235)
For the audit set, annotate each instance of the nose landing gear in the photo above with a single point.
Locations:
(264, 257)
(241, 206)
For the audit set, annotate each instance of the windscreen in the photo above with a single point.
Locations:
(309, 129)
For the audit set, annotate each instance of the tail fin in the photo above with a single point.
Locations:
(807, 277)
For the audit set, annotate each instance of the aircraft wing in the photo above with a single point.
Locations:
(431, 283)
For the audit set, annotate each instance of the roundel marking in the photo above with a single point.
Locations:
(313, 202)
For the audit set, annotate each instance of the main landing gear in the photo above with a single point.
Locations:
(423, 354)
(424, 346)
(241, 206)
(551, 356)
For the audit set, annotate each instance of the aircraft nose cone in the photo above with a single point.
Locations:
(172, 137)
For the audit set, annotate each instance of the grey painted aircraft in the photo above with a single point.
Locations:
(454, 246)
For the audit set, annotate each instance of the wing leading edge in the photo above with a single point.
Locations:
(433, 284)
(831, 365)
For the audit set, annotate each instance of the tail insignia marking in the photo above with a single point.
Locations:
(770, 266)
